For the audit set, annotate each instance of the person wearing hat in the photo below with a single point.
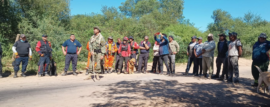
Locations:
(260, 57)
(73, 49)
(134, 50)
(124, 52)
(44, 50)
(23, 52)
(222, 48)
(97, 47)
(111, 49)
(145, 46)
(190, 53)
(198, 57)
(234, 52)
(208, 55)
(173, 49)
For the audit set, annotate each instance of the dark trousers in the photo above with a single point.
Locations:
(172, 63)
(0, 63)
(44, 62)
(18, 61)
(197, 65)
(164, 58)
(126, 59)
(155, 64)
(143, 57)
(117, 62)
(135, 57)
(255, 73)
(225, 68)
(73, 58)
(219, 61)
(190, 61)
(233, 67)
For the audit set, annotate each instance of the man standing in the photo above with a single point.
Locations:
(124, 51)
(190, 53)
(117, 55)
(134, 50)
(1, 61)
(222, 51)
(198, 57)
(144, 54)
(260, 57)
(111, 48)
(45, 52)
(98, 49)
(234, 52)
(208, 54)
(163, 52)
(174, 48)
(22, 50)
(71, 53)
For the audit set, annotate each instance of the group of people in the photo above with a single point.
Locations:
(122, 52)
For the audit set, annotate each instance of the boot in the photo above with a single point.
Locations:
(23, 75)
(15, 74)
(74, 73)
(64, 73)
(97, 76)
(86, 73)
(215, 76)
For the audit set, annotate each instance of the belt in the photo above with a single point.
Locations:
(97, 50)
(71, 53)
(144, 52)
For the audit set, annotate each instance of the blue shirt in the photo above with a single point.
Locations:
(144, 50)
(163, 46)
(71, 46)
(198, 48)
(259, 51)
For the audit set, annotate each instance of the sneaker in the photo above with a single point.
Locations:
(64, 74)
(39, 75)
(185, 73)
(23, 75)
(75, 74)
(46, 74)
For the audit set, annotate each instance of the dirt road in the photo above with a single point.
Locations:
(142, 90)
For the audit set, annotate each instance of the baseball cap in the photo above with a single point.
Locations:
(222, 35)
(44, 35)
(22, 36)
(233, 33)
(194, 37)
(110, 37)
(200, 38)
(263, 35)
(210, 35)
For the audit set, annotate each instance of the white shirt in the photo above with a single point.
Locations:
(233, 51)
(209, 48)
(156, 48)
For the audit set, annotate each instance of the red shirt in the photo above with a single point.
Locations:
(124, 53)
(39, 45)
(136, 45)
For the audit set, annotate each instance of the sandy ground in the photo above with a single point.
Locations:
(143, 90)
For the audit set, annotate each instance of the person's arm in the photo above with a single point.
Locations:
(146, 46)
(119, 50)
(195, 52)
(141, 46)
(63, 48)
(115, 48)
(177, 47)
(136, 46)
(211, 47)
(240, 51)
(80, 48)
(129, 50)
(38, 48)
(30, 53)
(156, 39)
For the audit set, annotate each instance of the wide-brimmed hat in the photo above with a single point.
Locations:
(96, 27)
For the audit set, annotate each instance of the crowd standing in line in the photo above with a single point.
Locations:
(165, 50)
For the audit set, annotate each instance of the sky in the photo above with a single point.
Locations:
(197, 11)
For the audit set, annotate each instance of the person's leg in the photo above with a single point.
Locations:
(160, 63)
(24, 64)
(74, 63)
(219, 61)
(111, 61)
(47, 63)
(97, 58)
(188, 65)
(200, 65)
(193, 59)
(126, 64)
(17, 66)
(154, 66)
(230, 69)
(146, 56)
(204, 66)
(41, 65)
(210, 68)
(235, 68)
(120, 65)
(172, 64)
(67, 63)
(165, 60)
(196, 66)
(140, 63)
(106, 60)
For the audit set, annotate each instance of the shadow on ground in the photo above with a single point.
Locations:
(167, 93)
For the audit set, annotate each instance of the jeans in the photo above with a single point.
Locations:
(143, 57)
(190, 60)
(73, 58)
(219, 61)
(44, 62)
(172, 63)
(24, 61)
(164, 58)
(197, 64)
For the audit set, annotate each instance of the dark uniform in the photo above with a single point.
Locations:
(45, 51)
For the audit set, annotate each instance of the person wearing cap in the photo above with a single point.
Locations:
(72, 51)
(190, 53)
(44, 50)
(163, 52)
(111, 49)
(260, 57)
(198, 57)
(23, 52)
(207, 55)
(145, 46)
(222, 49)
(173, 49)
(97, 47)
(124, 52)
(134, 50)
(234, 52)
(117, 60)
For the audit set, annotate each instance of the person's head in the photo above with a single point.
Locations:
(163, 34)
(125, 40)
(171, 38)
(210, 37)
(193, 39)
(96, 30)
(131, 38)
(199, 39)
(146, 38)
(222, 37)
(72, 37)
(262, 37)
(110, 39)
(44, 37)
(119, 40)
(23, 37)
(233, 36)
